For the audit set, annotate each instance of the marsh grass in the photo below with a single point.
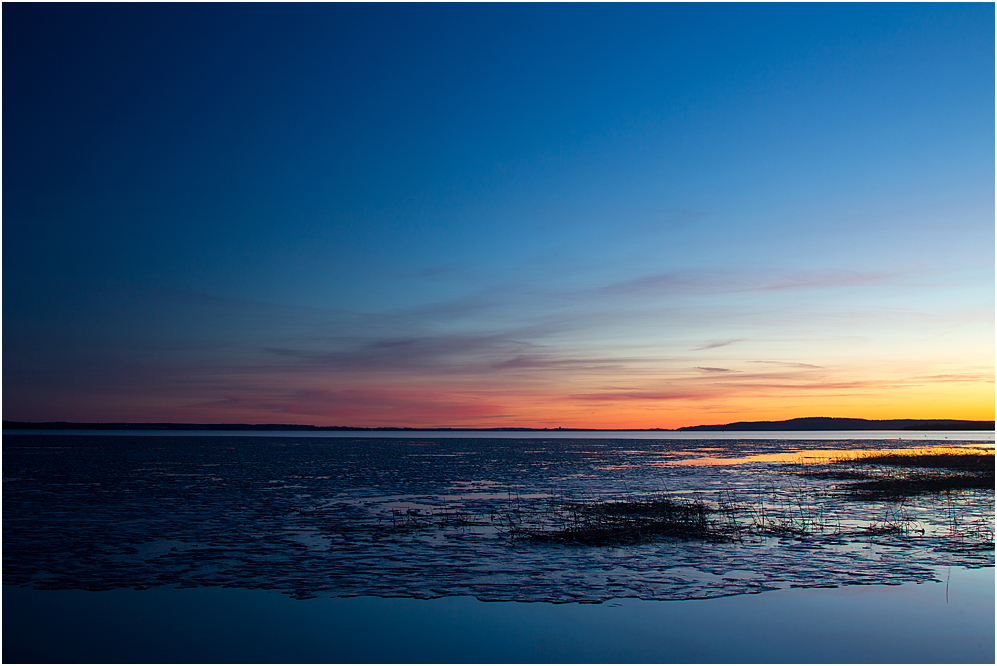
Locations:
(622, 522)
(907, 473)
(790, 509)
(398, 522)
(897, 485)
(795, 512)
(642, 519)
(948, 459)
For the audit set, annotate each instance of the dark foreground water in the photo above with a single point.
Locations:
(100, 530)
(908, 623)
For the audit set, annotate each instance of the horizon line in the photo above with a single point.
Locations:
(901, 424)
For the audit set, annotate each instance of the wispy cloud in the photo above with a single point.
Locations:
(467, 353)
(790, 364)
(466, 360)
(700, 282)
(637, 395)
(959, 378)
(718, 343)
(363, 406)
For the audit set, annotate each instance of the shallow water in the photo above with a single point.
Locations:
(390, 545)
(430, 517)
(937, 622)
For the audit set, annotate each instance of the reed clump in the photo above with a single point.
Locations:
(905, 484)
(908, 473)
(623, 522)
(947, 459)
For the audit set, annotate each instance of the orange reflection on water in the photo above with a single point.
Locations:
(824, 455)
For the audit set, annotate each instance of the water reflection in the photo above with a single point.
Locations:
(814, 455)
(939, 622)
(427, 518)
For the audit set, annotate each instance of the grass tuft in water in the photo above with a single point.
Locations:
(897, 475)
(623, 522)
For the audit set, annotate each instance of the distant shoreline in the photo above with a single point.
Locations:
(800, 424)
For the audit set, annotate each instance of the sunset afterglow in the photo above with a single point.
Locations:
(598, 216)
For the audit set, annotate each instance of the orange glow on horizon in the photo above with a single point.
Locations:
(457, 406)
(643, 397)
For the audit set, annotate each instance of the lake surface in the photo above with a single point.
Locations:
(942, 622)
(435, 523)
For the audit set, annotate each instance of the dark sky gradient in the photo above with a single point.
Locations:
(598, 215)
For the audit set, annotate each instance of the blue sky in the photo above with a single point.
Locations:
(599, 215)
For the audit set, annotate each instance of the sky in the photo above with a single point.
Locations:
(603, 216)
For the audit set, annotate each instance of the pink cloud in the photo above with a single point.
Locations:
(365, 406)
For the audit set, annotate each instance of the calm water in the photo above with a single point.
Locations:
(429, 520)
(910, 623)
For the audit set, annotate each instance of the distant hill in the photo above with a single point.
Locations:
(828, 423)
